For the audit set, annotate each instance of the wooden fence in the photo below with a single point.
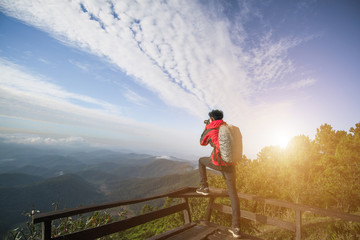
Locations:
(189, 192)
(298, 208)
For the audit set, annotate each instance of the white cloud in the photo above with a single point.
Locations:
(47, 108)
(82, 66)
(176, 49)
(17, 85)
(134, 97)
(40, 140)
(184, 51)
(307, 82)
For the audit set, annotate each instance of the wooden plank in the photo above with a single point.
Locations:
(330, 213)
(186, 212)
(298, 224)
(303, 208)
(46, 230)
(221, 208)
(216, 192)
(172, 232)
(224, 234)
(123, 224)
(198, 232)
(268, 220)
(220, 235)
(209, 209)
(41, 217)
(190, 192)
(194, 194)
(257, 217)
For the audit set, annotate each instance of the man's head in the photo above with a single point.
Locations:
(216, 114)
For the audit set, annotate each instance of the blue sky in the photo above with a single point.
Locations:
(142, 76)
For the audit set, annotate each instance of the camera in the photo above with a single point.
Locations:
(207, 121)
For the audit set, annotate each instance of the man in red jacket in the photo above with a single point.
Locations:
(210, 136)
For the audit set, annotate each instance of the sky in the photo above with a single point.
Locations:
(142, 75)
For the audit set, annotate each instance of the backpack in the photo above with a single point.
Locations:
(230, 141)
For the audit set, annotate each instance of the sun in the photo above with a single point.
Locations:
(282, 141)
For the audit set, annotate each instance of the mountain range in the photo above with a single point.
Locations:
(35, 178)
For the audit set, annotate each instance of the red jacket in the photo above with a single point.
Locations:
(211, 135)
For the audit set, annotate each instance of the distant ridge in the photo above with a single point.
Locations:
(67, 191)
(18, 179)
(144, 187)
(39, 178)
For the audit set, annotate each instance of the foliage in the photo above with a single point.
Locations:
(154, 227)
(74, 224)
(62, 227)
(31, 232)
(69, 224)
(323, 172)
(318, 228)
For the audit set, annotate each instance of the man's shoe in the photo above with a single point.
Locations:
(203, 190)
(235, 232)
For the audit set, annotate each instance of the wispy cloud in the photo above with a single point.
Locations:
(46, 107)
(44, 61)
(134, 97)
(307, 82)
(189, 53)
(181, 50)
(18, 85)
(82, 66)
(40, 140)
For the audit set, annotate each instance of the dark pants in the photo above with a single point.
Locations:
(230, 176)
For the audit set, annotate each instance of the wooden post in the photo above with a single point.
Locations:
(187, 216)
(46, 230)
(209, 209)
(298, 225)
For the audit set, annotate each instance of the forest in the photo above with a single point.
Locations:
(322, 172)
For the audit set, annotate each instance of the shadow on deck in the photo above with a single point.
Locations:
(190, 230)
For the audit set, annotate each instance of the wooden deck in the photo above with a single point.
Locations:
(202, 231)
(190, 230)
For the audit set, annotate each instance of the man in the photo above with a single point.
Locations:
(210, 135)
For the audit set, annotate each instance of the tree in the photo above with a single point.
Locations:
(328, 139)
(340, 156)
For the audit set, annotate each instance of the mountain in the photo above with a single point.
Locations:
(42, 178)
(155, 168)
(145, 187)
(65, 191)
(71, 190)
(35, 171)
(110, 172)
(18, 158)
(18, 179)
(45, 162)
(99, 156)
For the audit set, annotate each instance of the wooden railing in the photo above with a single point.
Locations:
(298, 208)
(46, 218)
(185, 193)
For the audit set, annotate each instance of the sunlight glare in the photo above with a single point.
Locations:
(282, 141)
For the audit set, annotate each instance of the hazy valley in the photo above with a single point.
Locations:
(42, 179)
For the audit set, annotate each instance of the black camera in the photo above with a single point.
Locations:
(207, 121)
